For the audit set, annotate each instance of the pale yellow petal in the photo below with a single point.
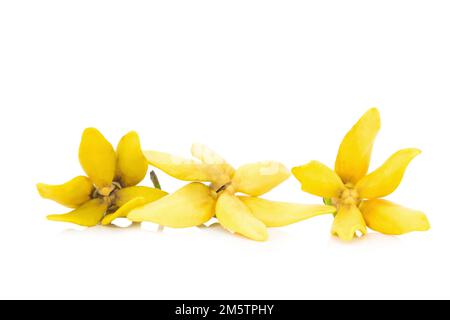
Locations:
(208, 156)
(255, 179)
(88, 215)
(279, 214)
(387, 178)
(71, 194)
(389, 218)
(97, 157)
(190, 206)
(355, 151)
(184, 169)
(348, 222)
(236, 217)
(131, 166)
(124, 210)
(316, 178)
(149, 194)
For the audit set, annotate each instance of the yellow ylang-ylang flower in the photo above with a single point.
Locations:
(358, 195)
(196, 203)
(110, 188)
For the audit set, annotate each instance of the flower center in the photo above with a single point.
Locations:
(108, 194)
(348, 197)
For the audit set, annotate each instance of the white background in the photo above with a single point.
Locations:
(255, 80)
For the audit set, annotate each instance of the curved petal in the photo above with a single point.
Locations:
(184, 169)
(124, 210)
(316, 178)
(236, 217)
(71, 194)
(279, 214)
(347, 222)
(131, 165)
(190, 206)
(88, 215)
(355, 151)
(388, 218)
(97, 157)
(149, 194)
(208, 156)
(255, 179)
(387, 178)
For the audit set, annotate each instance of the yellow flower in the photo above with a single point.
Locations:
(196, 203)
(110, 186)
(356, 194)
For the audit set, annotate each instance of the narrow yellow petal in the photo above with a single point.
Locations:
(184, 169)
(190, 206)
(88, 215)
(387, 178)
(97, 157)
(236, 217)
(255, 179)
(149, 194)
(388, 218)
(279, 214)
(316, 178)
(124, 210)
(355, 151)
(71, 194)
(347, 222)
(131, 166)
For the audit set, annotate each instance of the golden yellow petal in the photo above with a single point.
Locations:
(190, 206)
(149, 194)
(88, 215)
(387, 178)
(131, 165)
(316, 178)
(279, 214)
(184, 169)
(355, 151)
(348, 222)
(70, 194)
(255, 179)
(236, 217)
(389, 218)
(124, 210)
(97, 157)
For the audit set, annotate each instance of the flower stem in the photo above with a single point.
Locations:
(157, 185)
(155, 180)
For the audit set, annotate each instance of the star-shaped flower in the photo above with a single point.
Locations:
(109, 191)
(356, 194)
(196, 203)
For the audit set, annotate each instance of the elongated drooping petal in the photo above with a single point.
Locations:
(316, 178)
(71, 194)
(131, 166)
(355, 151)
(236, 217)
(149, 194)
(347, 222)
(255, 179)
(389, 218)
(88, 215)
(190, 206)
(387, 178)
(184, 169)
(279, 214)
(97, 157)
(124, 210)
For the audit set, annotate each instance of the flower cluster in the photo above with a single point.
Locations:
(233, 196)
